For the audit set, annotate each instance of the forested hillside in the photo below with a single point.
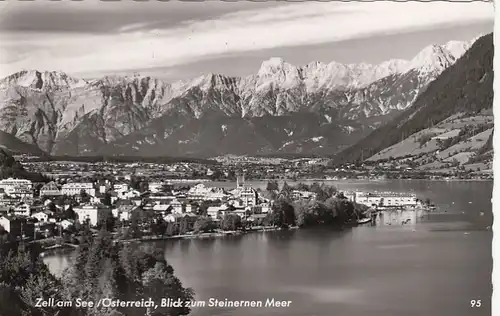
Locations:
(464, 88)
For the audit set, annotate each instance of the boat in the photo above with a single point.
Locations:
(363, 220)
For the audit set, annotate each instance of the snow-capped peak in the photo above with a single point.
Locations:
(274, 65)
(43, 80)
(432, 59)
(457, 48)
(275, 71)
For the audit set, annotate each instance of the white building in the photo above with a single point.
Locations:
(127, 194)
(9, 223)
(404, 199)
(76, 188)
(120, 187)
(22, 209)
(177, 207)
(172, 218)
(248, 195)
(92, 213)
(41, 216)
(50, 189)
(386, 199)
(20, 188)
(155, 187)
(351, 196)
(65, 224)
(217, 211)
(11, 183)
(202, 192)
(161, 207)
(297, 195)
(124, 212)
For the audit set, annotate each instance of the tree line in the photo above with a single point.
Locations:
(102, 268)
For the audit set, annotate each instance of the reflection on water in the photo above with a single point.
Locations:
(407, 217)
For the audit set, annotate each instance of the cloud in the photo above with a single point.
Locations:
(291, 24)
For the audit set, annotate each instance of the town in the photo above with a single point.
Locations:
(143, 207)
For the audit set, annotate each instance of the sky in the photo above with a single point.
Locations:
(180, 40)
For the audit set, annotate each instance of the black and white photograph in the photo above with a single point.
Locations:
(246, 158)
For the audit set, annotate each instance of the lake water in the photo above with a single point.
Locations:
(433, 266)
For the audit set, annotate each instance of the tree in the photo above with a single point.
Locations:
(158, 225)
(287, 212)
(160, 282)
(69, 214)
(302, 187)
(183, 226)
(231, 175)
(231, 222)
(274, 218)
(286, 190)
(203, 225)
(217, 175)
(107, 199)
(171, 229)
(84, 196)
(272, 186)
(135, 223)
(121, 271)
(108, 222)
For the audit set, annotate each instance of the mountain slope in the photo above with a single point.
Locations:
(465, 88)
(319, 108)
(13, 145)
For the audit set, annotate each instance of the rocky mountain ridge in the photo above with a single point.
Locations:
(131, 115)
(450, 124)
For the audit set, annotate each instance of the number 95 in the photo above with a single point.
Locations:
(475, 303)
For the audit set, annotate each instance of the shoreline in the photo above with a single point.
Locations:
(67, 246)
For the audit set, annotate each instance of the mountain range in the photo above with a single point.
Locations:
(315, 109)
(450, 123)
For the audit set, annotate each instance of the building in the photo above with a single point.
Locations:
(76, 188)
(177, 207)
(399, 199)
(386, 199)
(202, 192)
(217, 211)
(161, 207)
(155, 187)
(351, 196)
(40, 216)
(127, 194)
(17, 226)
(11, 184)
(248, 195)
(66, 223)
(299, 195)
(103, 186)
(243, 213)
(262, 208)
(172, 218)
(18, 188)
(124, 212)
(22, 209)
(119, 187)
(92, 213)
(50, 189)
(10, 223)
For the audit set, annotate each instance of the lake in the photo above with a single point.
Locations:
(433, 266)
